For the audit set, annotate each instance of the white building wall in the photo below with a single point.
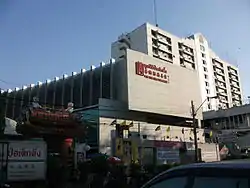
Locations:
(227, 78)
(205, 63)
(136, 39)
(171, 98)
(141, 40)
(174, 40)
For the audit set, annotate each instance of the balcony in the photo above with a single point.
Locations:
(223, 93)
(234, 85)
(219, 72)
(165, 56)
(236, 91)
(218, 64)
(222, 106)
(232, 71)
(220, 85)
(218, 68)
(187, 51)
(236, 97)
(155, 43)
(236, 103)
(162, 39)
(234, 78)
(223, 100)
(165, 48)
(220, 79)
(188, 59)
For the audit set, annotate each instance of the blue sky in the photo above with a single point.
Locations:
(43, 39)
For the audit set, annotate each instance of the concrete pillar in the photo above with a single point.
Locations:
(248, 120)
(199, 123)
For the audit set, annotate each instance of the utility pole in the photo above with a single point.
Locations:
(194, 131)
(140, 144)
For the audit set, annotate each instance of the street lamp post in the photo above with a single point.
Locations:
(194, 113)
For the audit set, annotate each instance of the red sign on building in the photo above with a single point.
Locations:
(152, 72)
(167, 144)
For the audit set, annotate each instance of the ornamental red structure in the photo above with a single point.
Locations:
(44, 120)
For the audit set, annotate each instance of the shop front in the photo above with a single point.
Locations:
(153, 151)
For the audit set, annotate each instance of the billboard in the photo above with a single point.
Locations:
(23, 160)
(160, 87)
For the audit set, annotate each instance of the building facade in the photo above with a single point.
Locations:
(217, 77)
(230, 126)
(138, 88)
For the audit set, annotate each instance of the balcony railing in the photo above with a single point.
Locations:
(234, 85)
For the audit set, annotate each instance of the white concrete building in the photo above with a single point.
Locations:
(216, 76)
(148, 93)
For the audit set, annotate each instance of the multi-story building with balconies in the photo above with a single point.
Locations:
(157, 43)
(217, 77)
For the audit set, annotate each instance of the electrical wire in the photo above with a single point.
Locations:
(8, 83)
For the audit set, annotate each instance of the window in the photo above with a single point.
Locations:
(154, 42)
(205, 69)
(179, 182)
(169, 48)
(206, 76)
(207, 182)
(193, 66)
(202, 48)
(203, 55)
(154, 33)
(241, 119)
(155, 51)
(169, 40)
(207, 84)
(204, 62)
(207, 90)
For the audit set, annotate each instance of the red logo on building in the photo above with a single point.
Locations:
(152, 72)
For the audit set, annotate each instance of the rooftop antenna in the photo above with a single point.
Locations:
(155, 13)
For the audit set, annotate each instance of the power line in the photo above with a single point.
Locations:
(8, 83)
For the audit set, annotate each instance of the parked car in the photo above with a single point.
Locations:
(228, 174)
